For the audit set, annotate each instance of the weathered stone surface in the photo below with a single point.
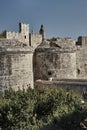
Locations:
(29, 39)
(63, 58)
(35, 40)
(80, 86)
(16, 67)
(81, 58)
(22, 35)
(54, 62)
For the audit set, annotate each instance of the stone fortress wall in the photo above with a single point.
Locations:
(26, 54)
(62, 63)
(54, 63)
(16, 58)
(62, 59)
(75, 52)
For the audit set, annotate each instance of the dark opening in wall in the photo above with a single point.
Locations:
(25, 37)
(78, 71)
(49, 73)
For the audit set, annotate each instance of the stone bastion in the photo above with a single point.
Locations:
(54, 62)
(16, 67)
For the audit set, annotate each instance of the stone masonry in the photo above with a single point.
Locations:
(24, 35)
(16, 65)
(24, 55)
(54, 62)
(61, 59)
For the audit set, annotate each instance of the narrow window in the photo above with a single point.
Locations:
(78, 71)
(49, 73)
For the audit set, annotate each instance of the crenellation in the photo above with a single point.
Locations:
(24, 36)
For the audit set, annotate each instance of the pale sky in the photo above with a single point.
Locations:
(61, 18)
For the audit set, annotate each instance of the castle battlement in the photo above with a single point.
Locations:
(25, 36)
(22, 35)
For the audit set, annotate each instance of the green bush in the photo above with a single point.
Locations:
(32, 110)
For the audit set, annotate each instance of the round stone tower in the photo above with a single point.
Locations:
(54, 62)
(16, 67)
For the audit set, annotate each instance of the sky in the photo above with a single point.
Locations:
(61, 18)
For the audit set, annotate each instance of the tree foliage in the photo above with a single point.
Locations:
(3, 34)
(33, 110)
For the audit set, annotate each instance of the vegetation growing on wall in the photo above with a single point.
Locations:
(3, 34)
(46, 110)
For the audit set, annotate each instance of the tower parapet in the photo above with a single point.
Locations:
(22, 35)
(29, 39)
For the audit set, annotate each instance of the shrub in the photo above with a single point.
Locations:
(32, 110)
